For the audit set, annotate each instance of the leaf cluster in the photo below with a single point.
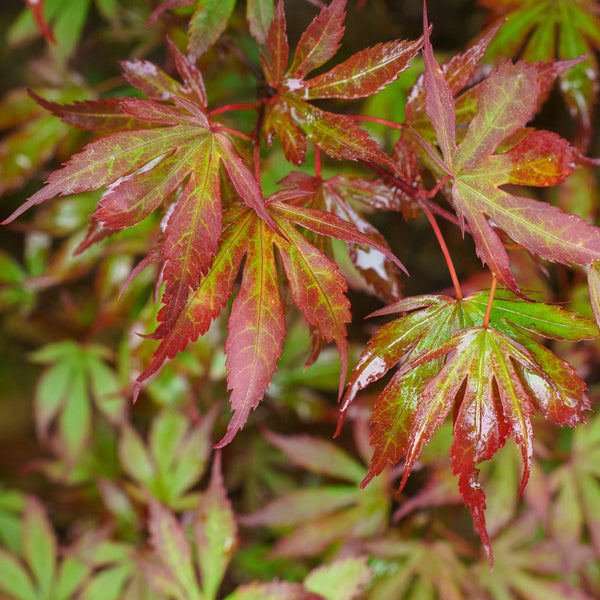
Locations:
(203, 271)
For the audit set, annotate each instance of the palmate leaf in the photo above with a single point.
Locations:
(332, 195)
(317, 517)
(37, 572)
(170, 463)
(76, 381)
(506, 100)
(292, 118)
(576, 484)
(257, 323)
(528, 567)
(417, 568)
(543, 30)
(494, 378)
(172, 151)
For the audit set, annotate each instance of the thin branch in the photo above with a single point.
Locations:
(317, 162)
(385, 122)
(445, 251)
(229, 107)
(488, 310)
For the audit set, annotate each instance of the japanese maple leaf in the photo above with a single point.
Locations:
(169, 147)
(334, 195)
(256, 324)
(541, 30)
(494, 377)
(506, 100)
(320, 516)
(289, 113)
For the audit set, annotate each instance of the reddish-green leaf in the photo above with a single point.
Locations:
(326, 223)
(276, 61)
(361, 75)
(192, 233)
(157, 85)
(493, 377)
(278, 121)
(338, 136)
(206, 301)
(318, 290)
(394, 411)
(256, 331)
(104, 116)
(378, 270)
(366, 72)
(321, 39)
(172, 549)
(507, 99)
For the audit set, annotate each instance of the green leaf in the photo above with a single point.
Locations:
(215, 533)
(39, 545)
(107, 584)
(340, 580)
(207, 24)
(416, 569)
(12, 504)
(173, 460)
(165, 436)
(134, 457)
(548, 320)
(273, 591)
(318, 456)
(70, 577)
(260, 14)
(594, 288)
(14, 579)
(77, 379)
